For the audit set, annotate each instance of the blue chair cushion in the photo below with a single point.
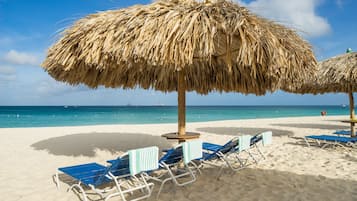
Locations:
(255, 139)
(88, 174)
(343, 132)
(209, 156)
(172, 156)
(332, 138)
(120, 166)
(211, 147)
(215, 148)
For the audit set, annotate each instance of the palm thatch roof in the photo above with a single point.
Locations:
(218, 45)
(336, 74)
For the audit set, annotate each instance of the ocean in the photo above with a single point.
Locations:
(48, 116)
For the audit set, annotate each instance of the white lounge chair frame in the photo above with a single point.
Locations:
(175, 178)
(123, 185)
(325, 143)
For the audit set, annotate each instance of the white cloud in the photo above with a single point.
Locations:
(300, 15)
(20, 58)
(54, 88)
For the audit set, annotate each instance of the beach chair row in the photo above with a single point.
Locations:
(339, 139)
(131, 175)
(324, 141)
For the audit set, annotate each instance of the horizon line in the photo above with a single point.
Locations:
(160, 105)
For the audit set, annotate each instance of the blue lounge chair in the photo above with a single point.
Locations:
(107, 181)
(265, 138)
(326, 140)
(226, 155)
(343, 132)
(212, 153)
(229, 153)
(169, 163)
(184, 153)
(170, 159)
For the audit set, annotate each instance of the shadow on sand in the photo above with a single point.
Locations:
(240, 131)
(86, 144)
(266, 185)
(317, 126)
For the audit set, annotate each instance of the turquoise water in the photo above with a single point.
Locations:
(44, 116)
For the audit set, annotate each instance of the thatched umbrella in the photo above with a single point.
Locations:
(337, 74)
(181, 46)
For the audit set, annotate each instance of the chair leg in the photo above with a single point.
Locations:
(81, 190)
(137, 184)
(240, 161)
(196, 167)
(261, 153)
(100, 193)
(174, 178)
(307, 142)
(57, 180)
(137, 181)
(117, 184)
(148, 188)
(251, 155)
(230, 165)
(318, 143)
(325, 145)
(220, 172)
(161, 186)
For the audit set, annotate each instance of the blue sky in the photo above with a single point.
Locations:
(29, 27)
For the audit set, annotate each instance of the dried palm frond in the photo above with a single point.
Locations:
(219, 45)
(336, 74)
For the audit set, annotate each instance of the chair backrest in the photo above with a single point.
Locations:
(119, 168)
(256, 138)
(172, 156)
(144, 159)
(191, 150)
(230, 146)
(244, 142)
(267, 137)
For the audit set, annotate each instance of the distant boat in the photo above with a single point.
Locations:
(66, 106)
(343, 105)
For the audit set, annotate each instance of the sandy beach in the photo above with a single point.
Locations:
(292, 171)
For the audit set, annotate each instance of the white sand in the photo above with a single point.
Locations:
(30, 156)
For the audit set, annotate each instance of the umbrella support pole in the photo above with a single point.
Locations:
(181, 92)
(352, 113)
(181, 135)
